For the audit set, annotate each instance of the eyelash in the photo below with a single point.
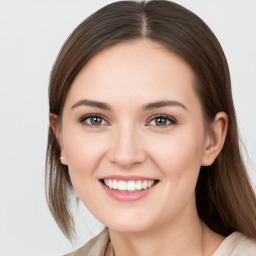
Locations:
(90, 116)
(168, 119)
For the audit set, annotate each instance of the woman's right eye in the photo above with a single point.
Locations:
(93, 120)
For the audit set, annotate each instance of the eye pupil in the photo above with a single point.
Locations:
(96, 120)
(161, 121)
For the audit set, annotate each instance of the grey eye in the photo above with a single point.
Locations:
(162, 121)
(93, 120)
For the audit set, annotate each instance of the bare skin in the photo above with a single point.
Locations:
(133, 111)
(207, 243)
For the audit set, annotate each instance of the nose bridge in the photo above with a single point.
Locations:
(127, 149)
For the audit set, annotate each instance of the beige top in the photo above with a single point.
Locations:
(234, 245)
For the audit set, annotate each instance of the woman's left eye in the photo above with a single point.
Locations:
(162, 120)
(93, 120)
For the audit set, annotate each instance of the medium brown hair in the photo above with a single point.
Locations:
(224, 196)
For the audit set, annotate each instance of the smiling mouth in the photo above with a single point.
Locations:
(129, 186)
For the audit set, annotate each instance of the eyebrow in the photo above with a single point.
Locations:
(149, 106)
(92, 103)
(165, 103)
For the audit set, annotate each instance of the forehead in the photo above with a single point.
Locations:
(136, 70)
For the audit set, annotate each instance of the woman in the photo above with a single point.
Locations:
(143, 129)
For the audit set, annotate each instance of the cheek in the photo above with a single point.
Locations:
(178, 159)
(83, 152)
(179, 155)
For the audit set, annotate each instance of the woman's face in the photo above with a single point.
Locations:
(133, 137)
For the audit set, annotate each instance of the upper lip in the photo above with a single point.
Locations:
(126, 178)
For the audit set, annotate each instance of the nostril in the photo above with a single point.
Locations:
(126, 150)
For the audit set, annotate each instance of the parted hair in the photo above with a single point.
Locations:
(224, 196)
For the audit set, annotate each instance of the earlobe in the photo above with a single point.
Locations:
(53, 118)
(215, 138)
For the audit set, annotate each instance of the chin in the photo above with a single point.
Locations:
(128, 228)
(129, 225)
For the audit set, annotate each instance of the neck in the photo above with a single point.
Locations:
(194, 238)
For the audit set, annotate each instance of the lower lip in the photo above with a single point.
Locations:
(127, 196)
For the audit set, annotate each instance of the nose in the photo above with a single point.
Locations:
(127, 147)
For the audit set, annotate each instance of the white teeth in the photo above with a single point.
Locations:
(129, 185)
(139, 185)
(145, 184)
(115, 184)
(122, 185)
(110, 184)
(150, 183)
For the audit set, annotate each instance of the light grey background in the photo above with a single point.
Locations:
(31, 34)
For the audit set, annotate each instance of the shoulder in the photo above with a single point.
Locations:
(96, 246)
(235, 245)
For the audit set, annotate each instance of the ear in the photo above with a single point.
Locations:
(53, 118)
(216, 136)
